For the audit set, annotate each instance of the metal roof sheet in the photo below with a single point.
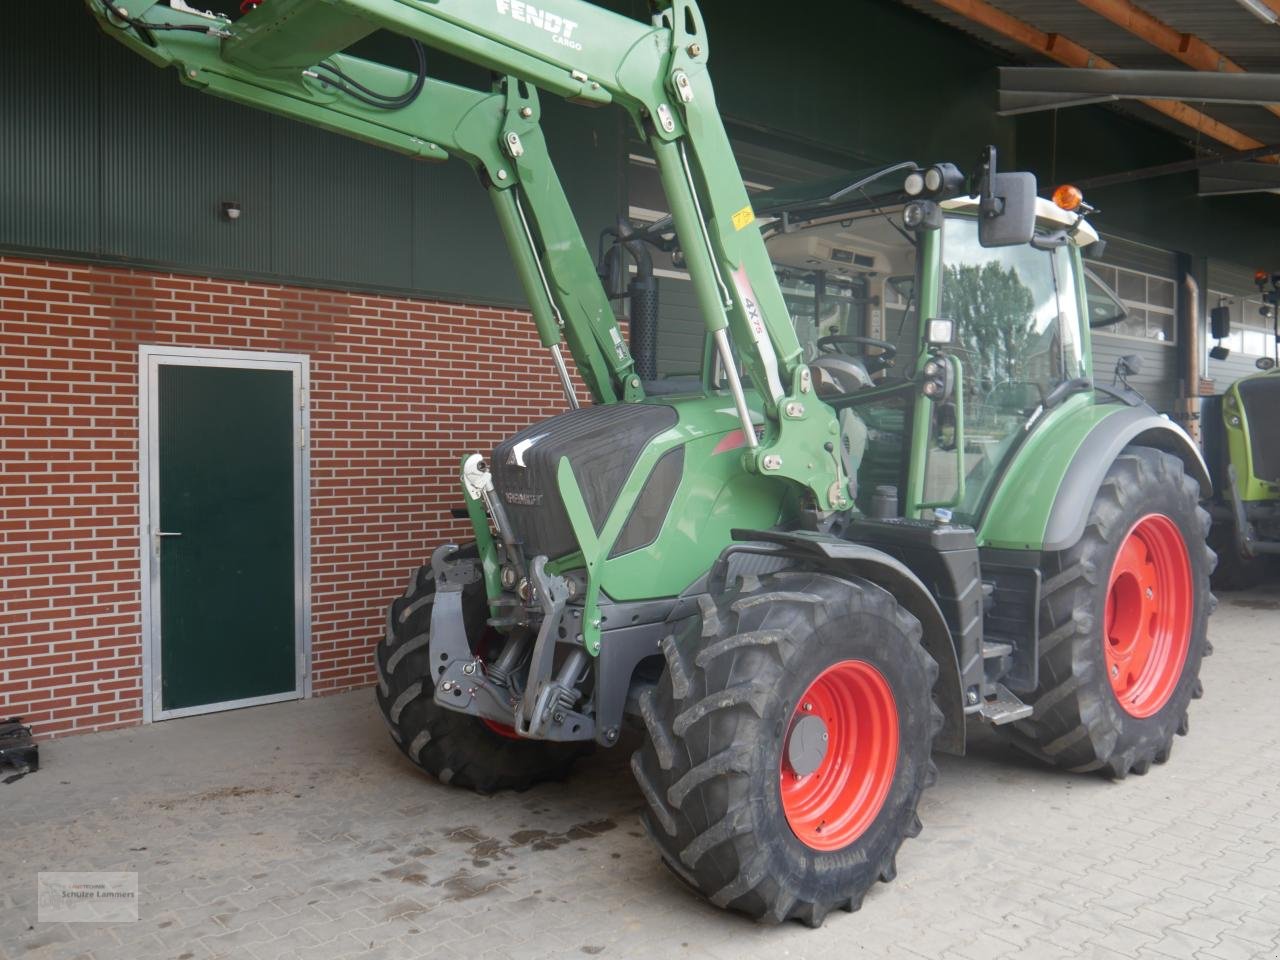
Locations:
(1224, 24)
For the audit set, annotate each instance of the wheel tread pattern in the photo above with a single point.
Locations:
(745, 642)
(1075, 722)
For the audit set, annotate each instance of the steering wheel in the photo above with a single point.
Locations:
(883, 360)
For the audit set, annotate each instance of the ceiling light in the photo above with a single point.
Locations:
(1260, 10)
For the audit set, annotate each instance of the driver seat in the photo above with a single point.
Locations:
(835, 375)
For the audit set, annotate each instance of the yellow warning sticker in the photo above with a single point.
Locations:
(744, 218)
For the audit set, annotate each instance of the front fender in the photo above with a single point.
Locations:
(1043, 500)
(843, 556)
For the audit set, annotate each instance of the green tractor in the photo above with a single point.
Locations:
(893, 501)
(1242, 445)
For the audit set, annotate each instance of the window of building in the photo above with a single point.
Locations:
(1149, 299)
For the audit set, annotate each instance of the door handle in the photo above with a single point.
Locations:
(157, 534)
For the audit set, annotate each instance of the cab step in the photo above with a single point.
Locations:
(1004, 707)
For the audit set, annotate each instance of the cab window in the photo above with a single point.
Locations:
(1017, 325)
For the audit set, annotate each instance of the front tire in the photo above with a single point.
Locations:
(453, 747)
(1123, 622)
(742, 803)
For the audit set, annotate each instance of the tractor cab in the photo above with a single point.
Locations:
(894, 309)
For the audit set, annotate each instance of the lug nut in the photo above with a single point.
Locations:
(808, 708)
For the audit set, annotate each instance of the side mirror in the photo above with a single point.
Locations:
(1130, 365)
(1006, 204)
(1220, 322)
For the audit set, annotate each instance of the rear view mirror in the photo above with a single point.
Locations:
(1006, 204)
(1220, 322)
(1130, 365)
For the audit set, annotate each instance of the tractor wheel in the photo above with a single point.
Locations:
(788, 745)
(1234, 571)
(453, 747)
(1123, 620)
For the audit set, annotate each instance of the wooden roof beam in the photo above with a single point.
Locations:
(1070, 54)
(1186, 47)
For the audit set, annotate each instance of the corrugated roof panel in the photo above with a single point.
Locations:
(1223, 24)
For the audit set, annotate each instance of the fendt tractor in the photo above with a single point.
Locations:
(1242, 445)
(894, 500)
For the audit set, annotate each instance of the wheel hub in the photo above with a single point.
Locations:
(840, 756)
(807, 745)
(1147, 620)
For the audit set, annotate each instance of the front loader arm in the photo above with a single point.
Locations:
(658, 73)
(445, 120)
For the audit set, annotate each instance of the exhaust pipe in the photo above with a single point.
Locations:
(643, 294)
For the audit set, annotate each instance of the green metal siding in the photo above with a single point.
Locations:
(49, 171)
(106, 157)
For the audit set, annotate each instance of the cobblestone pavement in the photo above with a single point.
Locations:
(297, 830)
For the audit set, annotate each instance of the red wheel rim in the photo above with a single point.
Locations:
(1147, 622)
(832, 806)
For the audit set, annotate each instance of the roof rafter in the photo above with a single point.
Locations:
(1071, 54)
(1186, 47)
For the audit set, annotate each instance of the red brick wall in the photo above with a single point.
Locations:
(400, 390)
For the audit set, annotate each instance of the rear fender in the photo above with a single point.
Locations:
(1043, 499)
(843, 558)
(1138, 426)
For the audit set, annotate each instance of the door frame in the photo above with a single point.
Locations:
(150, 359)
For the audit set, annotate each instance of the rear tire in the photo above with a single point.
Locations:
(1123, 621)
(727, 810)
(453, 747)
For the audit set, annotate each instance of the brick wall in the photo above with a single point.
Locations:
(400, 390)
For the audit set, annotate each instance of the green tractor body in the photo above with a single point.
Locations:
(1242, 445)
(894, 500)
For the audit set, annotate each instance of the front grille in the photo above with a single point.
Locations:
(602, 444)
(1261, 399)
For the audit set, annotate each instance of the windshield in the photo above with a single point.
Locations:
(1016, 312)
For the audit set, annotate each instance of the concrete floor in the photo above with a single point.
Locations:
(297, 830)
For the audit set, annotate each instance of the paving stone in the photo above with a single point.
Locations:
(337, 847)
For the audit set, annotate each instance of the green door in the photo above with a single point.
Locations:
(224, 534)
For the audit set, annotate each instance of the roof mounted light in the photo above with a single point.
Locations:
(913, 186)
(1067, 197)
(944, 181)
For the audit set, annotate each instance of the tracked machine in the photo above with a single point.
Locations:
(893, 502)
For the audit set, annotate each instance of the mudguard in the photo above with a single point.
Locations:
(842, 556)
(1131, 426)
(1043, 497)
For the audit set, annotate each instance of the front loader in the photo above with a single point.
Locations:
(894, 501)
